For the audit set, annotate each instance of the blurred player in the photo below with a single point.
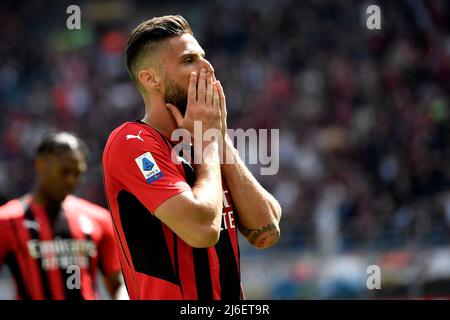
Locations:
(48, 230)
(176, 221)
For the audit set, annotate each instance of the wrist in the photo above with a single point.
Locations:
(229, 152)
(209, 151)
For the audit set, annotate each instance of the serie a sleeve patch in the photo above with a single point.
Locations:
(149, 167)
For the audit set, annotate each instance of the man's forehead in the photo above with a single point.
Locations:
(69, 156)
(184, 44)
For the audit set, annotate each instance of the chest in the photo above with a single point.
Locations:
(57, 243)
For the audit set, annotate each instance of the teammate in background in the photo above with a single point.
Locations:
(176, 221)
(2, 199)
(48, 230)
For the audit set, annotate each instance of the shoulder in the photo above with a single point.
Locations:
(130, 141)
(132, 136)
(92, 210)
(131, 133)
(13, 209)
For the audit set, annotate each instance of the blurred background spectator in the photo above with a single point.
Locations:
(363, 118)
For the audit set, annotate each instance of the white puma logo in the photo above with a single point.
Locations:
(131, 136)
(30, 224)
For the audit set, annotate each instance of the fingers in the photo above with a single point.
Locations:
(201, 91)
(222, 106)
(176, 114)
(192, 89)
(223, 103)
(216, 97)
(209, 90)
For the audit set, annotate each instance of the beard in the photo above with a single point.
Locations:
(175, 95)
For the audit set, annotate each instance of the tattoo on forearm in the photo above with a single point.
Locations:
(253, 234)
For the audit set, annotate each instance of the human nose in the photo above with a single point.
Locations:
(207, 65)
(72, 181)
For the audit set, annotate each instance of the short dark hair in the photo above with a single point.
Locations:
(144, 38)
(59, 142)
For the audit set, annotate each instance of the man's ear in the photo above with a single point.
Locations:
(149, 78)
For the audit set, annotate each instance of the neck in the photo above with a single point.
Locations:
(159, 117)
(52, 207)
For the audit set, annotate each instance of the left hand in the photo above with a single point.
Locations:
(227, 149)
(223, 109)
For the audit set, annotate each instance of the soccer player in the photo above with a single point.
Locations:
(176, 221)
(53, 242)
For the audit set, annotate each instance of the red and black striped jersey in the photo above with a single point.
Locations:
(139, 175)
(39, 251)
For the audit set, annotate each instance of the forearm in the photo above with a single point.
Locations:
(195, 215)
(258, 211)
(207, 189)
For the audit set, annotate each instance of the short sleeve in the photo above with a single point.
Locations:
(145, 169)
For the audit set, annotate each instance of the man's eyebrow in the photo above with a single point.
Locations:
(192, 54)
